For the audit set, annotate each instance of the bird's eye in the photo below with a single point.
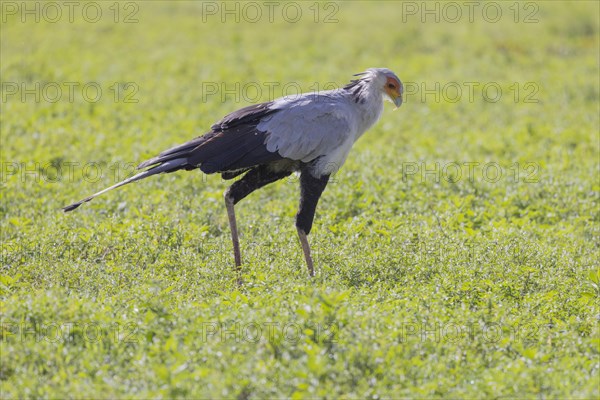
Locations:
(391, 85)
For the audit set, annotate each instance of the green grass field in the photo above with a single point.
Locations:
(456, 250)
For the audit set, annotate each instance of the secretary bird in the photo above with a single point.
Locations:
(310, 133)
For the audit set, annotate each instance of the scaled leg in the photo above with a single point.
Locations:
(254, 179)
(311, 189)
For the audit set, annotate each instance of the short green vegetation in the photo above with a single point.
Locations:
(456, 250)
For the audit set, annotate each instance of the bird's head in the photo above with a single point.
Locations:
(385, 80)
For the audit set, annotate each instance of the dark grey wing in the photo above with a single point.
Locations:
(232, 149)
(179, 151)
(249, 114)
(232, 144)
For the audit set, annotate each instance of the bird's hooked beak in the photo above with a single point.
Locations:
(394, 95)
(398, 98)
(397, 101)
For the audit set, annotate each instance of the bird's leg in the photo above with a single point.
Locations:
(229, 203)
(306, 251)
(254, 179)
(311, 189)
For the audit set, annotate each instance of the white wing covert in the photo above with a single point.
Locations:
(308, 127)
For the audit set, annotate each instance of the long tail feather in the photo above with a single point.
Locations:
(169, 166)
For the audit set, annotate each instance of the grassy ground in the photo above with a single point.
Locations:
(456, 251)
